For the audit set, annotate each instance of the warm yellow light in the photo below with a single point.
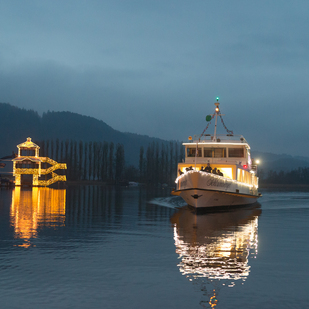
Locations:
(257, 161)
(38, 171)
(227, 172)
(190, 138)
(217, 109)
(30, 210)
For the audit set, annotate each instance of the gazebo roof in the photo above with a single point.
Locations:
(28, 144)
(20, 159)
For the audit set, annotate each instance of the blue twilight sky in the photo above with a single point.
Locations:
(155, 67)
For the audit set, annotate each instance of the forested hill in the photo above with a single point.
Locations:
(279, 162)
(17, 124)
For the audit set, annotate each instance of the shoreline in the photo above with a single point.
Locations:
(284, 186)
(262, 186)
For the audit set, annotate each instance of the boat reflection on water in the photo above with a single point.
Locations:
(32, 209)
(214, 248)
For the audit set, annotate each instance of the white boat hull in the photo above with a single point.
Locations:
(200, 190)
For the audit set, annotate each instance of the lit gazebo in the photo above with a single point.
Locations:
(28, 166)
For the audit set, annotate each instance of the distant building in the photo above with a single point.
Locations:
(31, 169)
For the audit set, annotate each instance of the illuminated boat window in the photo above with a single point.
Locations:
(227, 172)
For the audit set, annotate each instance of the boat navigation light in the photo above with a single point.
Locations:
(217, 107)
(257, 161)
(217, 98)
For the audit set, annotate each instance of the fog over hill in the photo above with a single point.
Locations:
(17, 124)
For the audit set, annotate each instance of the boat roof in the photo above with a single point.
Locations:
(227, 139)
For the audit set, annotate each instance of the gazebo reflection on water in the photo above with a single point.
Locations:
(31, 209)
(214, 248)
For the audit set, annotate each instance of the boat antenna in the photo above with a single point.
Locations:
(210, 117)
(217, 110)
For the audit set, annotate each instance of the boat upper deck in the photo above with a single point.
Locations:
(231, 139)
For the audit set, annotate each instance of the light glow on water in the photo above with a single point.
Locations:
(216, 252)
(214, 248)
(32, 209)
(100, 247)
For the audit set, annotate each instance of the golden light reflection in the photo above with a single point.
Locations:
(216, 246)
(35, 208)
(213, 300)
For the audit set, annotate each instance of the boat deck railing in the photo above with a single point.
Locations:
(219, 138)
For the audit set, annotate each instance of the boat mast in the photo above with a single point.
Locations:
(217, 112)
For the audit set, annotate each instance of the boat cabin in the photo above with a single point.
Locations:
(226, 150)
(228, 153)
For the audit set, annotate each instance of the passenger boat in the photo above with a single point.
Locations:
(201, 185)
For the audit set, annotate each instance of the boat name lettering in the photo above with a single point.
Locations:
(215, 182)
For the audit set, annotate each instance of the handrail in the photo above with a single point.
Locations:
(222, 137)
(55, 178)
(37, 172)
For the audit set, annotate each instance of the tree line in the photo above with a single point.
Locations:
(105, 161)
(297, 176)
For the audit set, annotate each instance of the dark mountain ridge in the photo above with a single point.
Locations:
(17, 124)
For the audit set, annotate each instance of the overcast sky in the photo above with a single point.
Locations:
(155, 67)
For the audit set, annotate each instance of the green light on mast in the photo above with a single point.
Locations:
(217, 98)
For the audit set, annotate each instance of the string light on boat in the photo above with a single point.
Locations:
(209, 122)
(224, 179)
(227, 130)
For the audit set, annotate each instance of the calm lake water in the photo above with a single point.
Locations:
(96, 247)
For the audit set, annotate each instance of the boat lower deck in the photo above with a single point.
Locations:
(204, 198)
(200, 189)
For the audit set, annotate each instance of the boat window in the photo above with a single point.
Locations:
(219, 153)
(207, 152)
(191, 152)
(214, 152)
(236, 152)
